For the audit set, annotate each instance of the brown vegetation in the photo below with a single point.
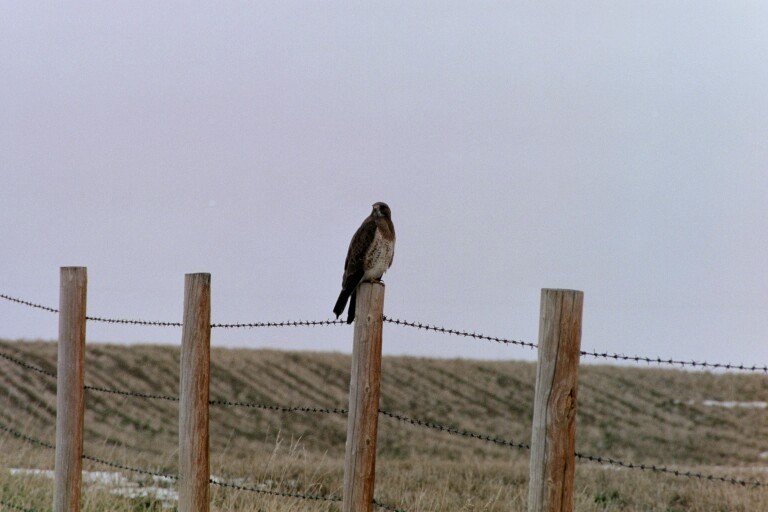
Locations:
(641, 415)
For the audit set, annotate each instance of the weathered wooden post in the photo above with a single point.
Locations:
(553, 441)
(70, 379)
(194, 466)
(364, 390)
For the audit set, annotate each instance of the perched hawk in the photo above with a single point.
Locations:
(369, 256)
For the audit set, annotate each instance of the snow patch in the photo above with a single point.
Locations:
(117, 484)
(48, 473)
(734, 404)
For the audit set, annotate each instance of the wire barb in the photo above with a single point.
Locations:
(675, 362)
(240, 487)
(127, 321)
(25, 365)
(279, 408)
(676, 472)
(27, 438)
(131, 393)
(27, 303)
(444, 330)
(286, 323)
(15, 507)
(454, 430)
(115, 465)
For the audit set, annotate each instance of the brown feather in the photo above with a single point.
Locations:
(365, 254)
(354, 265)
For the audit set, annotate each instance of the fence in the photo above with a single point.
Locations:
(552, 446)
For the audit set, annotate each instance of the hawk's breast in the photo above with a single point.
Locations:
(379, 257)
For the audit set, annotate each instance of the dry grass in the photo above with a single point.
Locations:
(640, 415)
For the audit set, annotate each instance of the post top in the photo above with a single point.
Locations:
(376, 283)
(560, 290)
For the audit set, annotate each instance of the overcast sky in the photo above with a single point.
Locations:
(619, 148)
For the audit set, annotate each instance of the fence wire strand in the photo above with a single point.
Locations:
(463, 433)
(128, 321)
(675, 362)
(131, 393)
(283, 494)
(27, 303)
(15, 507)
(456, 332)
(139, 471)
(310, 497)
(25, 365)
(454, 430)
(280, 408)
(214, 481)
(405, 419)
(422, 326)
(286, 323)
(664, 469)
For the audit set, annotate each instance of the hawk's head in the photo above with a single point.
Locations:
(381, 210)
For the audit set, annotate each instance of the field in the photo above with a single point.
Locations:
(672, 418)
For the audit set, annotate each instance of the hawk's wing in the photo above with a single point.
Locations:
(358, 248)
(354, 266)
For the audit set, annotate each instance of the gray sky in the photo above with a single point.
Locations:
(619, 148)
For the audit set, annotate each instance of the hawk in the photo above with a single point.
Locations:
(369, 256)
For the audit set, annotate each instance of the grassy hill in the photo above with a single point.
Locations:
(642, 415)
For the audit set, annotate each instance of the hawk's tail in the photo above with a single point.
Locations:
(341, 302)
(351, 310)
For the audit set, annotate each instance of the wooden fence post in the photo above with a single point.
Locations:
(553, 440)
(364, 390)
(194, 467)
(70, 379)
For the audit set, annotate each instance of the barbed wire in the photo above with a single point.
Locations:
(27, 303)
(128, 321)
(152, 396)
(341, 411)
(280, 408)
(502, 442)
(675, 362)
(385, 506)
(229, 403)
(591, 458)
(132, 393)
(311, 497)
(241, 487)
(319, 410)
(417, 325)
(286, 323)
(27, 438)
(25, 365)
(399, 417)
(331, 410)
(676, 472)
(15, 507)
(215, 481)
(454, 430)
(139, 471)
(91, 458)
(155, 323)
(455, 332)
